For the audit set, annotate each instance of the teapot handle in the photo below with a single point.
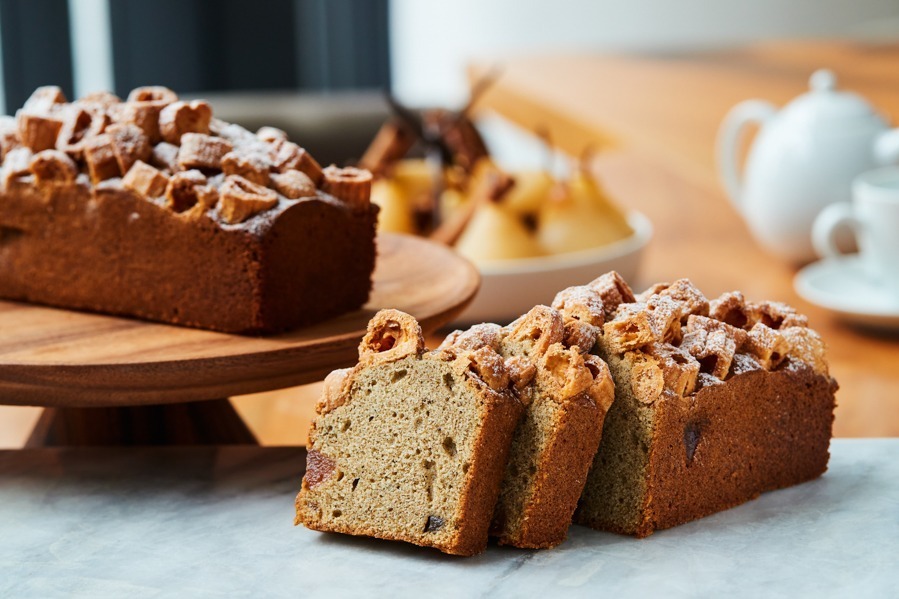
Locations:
(826, 225)
(729, 136)
(886, 148)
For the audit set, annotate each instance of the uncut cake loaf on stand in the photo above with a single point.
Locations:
(716, 402)
(152, 208)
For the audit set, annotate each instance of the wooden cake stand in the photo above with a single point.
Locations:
(110, 381)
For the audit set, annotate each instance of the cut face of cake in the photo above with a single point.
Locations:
(716, 402)
(410, 445)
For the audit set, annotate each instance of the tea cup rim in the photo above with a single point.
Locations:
(869, 186)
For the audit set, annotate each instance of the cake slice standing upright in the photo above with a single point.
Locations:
(566, 395)
(410, 445)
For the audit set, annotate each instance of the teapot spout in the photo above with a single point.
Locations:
(886, 147)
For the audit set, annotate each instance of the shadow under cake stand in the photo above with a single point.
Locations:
(116, 381)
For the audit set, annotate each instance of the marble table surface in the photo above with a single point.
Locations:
(217, 522)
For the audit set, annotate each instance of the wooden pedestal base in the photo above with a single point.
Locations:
(213, 422)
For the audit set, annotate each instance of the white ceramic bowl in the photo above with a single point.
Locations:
(509, 288)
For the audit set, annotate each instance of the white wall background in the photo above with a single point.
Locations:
(433, 40)
(91, 46)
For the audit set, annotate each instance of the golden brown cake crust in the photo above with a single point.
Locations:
(716, 402)
(728, 443)
(113, 220)
(559, 479)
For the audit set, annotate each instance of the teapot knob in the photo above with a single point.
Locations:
(823, 80)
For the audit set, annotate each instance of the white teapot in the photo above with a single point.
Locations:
(803, 159)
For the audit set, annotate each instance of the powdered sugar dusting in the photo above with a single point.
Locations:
(184, 137)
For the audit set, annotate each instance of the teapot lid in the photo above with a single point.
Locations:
(824, 102)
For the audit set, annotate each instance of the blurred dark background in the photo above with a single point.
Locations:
(316, 68)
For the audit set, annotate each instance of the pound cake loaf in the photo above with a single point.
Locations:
(153, 208)
(410, 445)
(566, 396)
(716, 402)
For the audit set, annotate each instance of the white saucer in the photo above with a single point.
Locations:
(842, 286)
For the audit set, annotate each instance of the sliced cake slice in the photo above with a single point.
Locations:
(566, 395)
(410, 445)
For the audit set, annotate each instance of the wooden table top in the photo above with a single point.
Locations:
(662, 114)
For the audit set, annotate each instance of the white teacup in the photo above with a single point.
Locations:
(873, 215)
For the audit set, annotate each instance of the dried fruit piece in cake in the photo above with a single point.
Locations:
(38, 132)
(179, 118)
(410, 445)
(52, 167)
(100, 156)
(181, 192)
(165, 156)
(293, 184)
(252, 166)
(44, 100)
(713, 343)
(241, 199)
(141, 114)
(352, 185)
(16, 163)
(146, 180)
(202, 151)
(613, 290)
(129, 144)
(80, 122)
(153, 93)
(287, 156)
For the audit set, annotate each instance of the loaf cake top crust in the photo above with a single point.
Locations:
(393, 335)
(540, 358)
(681, 342)
(171, 152)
